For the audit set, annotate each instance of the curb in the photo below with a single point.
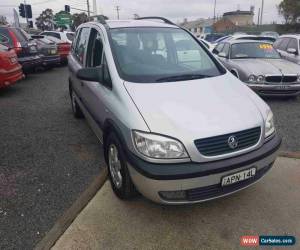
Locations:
(289, 154)
(62, 224)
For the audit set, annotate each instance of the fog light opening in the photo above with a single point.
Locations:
(173, 195)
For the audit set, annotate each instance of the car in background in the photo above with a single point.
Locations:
(288, 47)
(63, 48)
(66, 36)
(48, 49)
(260, 67)
(213, 37)
(10, 69)
(270, 33)
(26, 49)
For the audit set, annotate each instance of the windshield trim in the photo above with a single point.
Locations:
(134, 79)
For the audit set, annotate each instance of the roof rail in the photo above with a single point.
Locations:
(156, 18)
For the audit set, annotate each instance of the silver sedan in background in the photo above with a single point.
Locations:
(260, 66)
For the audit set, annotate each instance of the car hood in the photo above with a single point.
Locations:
(190, 110)
(267, 66)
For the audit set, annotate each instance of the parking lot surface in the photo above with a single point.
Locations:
(48, 158)
(271, 207)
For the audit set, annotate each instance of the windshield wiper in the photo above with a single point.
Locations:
(182, 77)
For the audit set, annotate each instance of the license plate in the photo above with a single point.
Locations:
(237, 177)
(283, 87)
(53, 51)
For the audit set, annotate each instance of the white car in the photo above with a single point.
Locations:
(66, 36)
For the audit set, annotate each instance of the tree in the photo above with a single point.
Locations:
(79, 18)
(290, 10)
(45, 20)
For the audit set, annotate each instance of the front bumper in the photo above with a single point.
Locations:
(276, 90)
(199, 181)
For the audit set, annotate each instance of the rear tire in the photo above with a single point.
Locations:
(75, 107)
(118, 173)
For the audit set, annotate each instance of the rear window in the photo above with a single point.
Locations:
(5, 35)
(20, 36)
(70, 36)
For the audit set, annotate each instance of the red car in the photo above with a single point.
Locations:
(10, 69)
(63, 48)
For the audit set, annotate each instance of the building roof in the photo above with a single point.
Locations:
(199, 22)
(238, 12)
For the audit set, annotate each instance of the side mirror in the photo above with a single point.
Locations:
(94, 74)
(215, 52)
(292, 51)
(222, 54)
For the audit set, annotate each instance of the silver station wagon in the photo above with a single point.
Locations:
(176, 126)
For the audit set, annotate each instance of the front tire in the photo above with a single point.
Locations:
(118, 173)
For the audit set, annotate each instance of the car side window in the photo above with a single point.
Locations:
(293, 44)
(225, 49)
(4, 40)
(81, 45)
(284, 44)
(95, 49)
(277, 43)
(219, 48)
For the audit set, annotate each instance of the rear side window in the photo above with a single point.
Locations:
(219, 47)
(81, 44)
(57, 35)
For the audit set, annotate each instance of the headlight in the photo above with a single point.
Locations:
(158, 147)
(260, 79)
(252, 79)
(269, 125)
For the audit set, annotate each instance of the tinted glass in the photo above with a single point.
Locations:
(20, 36)
(253, 50)
(293, 44)
(149, 54)
(2, 47)
(70, 36)
(81, 44)
(4, 39)
(226, 49)
(277, 43)
(283, 45)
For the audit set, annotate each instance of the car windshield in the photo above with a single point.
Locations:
(147, 55)
(253, 50)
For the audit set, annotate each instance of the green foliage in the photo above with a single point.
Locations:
(79, 18)
(45, 20)
(290, 10)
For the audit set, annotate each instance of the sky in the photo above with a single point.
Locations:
(176, 10)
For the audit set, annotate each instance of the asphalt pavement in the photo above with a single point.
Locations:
(48, 158)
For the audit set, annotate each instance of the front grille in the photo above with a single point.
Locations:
(274, 79)
(218, 145)
(278, 92)
(212, 191)
(289, 78)
(283, 79)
